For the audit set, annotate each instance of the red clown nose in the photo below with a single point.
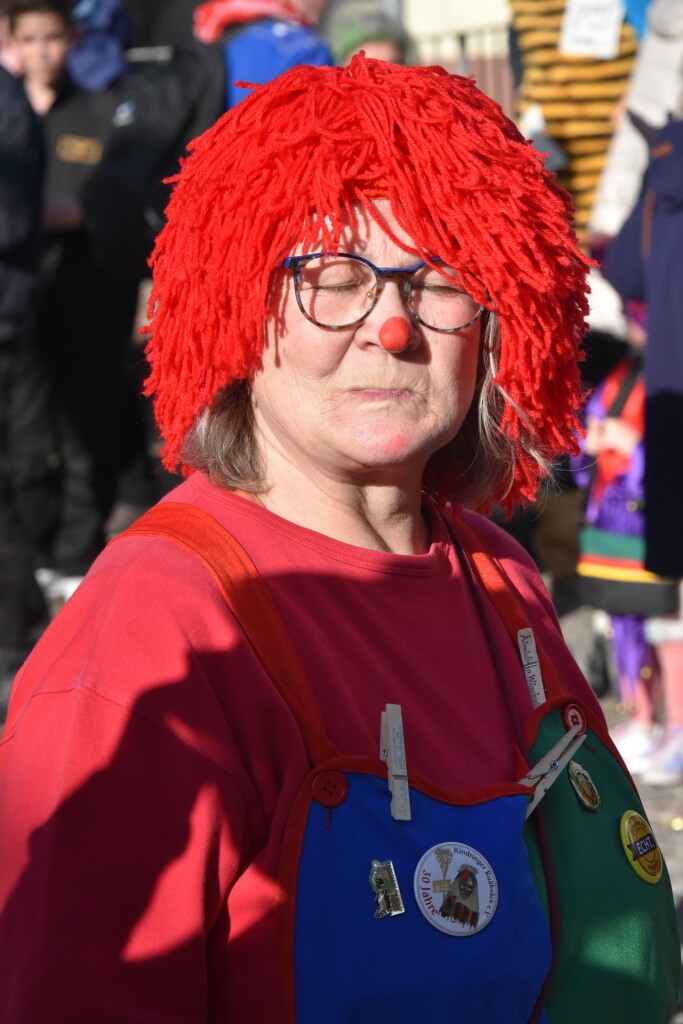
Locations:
(394, 334)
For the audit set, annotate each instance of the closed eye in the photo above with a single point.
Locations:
(333, 286)
(438, 288)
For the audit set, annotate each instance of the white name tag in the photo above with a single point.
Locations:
(531, 666)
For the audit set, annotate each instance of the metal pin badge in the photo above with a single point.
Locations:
(584, 787)
(383, 882)
(640, 847)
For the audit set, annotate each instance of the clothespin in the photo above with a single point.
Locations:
(393, 751)
(531, 665)
(551, 765)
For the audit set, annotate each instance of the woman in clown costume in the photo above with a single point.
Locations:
(314, 664)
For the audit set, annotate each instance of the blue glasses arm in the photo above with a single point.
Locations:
(294, 262)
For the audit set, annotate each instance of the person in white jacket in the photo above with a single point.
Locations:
(654, 93)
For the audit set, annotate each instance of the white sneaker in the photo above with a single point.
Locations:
(666, 764)
(636, 742)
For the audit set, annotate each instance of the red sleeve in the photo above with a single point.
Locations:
(121, 831)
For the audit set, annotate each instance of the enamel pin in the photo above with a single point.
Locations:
(583, 786)
(388, 899)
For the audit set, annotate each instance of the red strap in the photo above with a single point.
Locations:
(501, 592)
(250, 602)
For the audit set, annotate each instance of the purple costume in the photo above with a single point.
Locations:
(618, 506)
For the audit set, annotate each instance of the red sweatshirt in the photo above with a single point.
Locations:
(148, 763)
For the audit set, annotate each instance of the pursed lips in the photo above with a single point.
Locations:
(387, 389)
(383, 394)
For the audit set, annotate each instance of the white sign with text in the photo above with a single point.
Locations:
(591, 28)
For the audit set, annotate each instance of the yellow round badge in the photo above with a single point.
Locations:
(640, 846)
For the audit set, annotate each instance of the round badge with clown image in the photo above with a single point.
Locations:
(456, 889)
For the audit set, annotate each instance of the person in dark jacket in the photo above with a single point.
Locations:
(25, 438)
(85, 309)
(105, 151)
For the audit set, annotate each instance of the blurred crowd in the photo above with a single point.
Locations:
(98, 101)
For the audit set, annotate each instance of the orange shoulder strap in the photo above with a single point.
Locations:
(250, 602)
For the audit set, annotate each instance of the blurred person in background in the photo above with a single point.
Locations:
(85, 309)
(8, 58)
(107, 151)
(104, 31)
(610, 470)
(651, 97)
(27, 451)
(162, 23)
(365, 25)
(261, 38)
(652, 94)
(645, 262)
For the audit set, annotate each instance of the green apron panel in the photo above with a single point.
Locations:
(619, 938)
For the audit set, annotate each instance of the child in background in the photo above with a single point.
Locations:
(363, 26)
(611, 468)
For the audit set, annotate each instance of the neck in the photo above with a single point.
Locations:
(380, 515)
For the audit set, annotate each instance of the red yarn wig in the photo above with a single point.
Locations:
(294, 157)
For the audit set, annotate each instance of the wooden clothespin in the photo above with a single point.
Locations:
(393, 751)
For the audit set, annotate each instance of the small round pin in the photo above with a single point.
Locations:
(640, 847)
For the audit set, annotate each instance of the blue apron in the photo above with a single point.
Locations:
(349, 965)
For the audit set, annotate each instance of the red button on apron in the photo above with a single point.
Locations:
(330, 789)
(573, 715)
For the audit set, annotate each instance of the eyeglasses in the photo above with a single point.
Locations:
(339, 291)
